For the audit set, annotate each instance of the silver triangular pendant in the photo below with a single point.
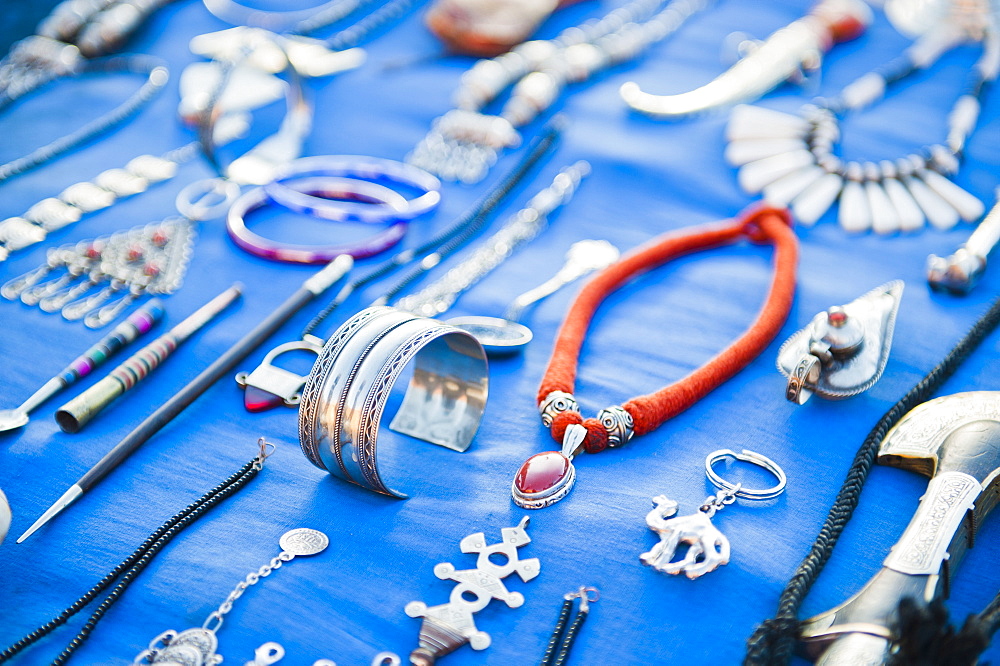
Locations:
(95, 280)
(843, 351)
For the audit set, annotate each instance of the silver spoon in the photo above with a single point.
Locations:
(501, 336)
(137, 323)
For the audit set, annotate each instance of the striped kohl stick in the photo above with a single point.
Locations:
(313, 286)
(136, 324)
(76, 413)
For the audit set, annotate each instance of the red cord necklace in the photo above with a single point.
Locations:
(546, 478)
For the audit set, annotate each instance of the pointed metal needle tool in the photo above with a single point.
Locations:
(310, 289)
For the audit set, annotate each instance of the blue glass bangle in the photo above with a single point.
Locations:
(361, 168)
(356, 191)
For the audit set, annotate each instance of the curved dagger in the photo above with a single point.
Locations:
(777, 59)
(955, 440)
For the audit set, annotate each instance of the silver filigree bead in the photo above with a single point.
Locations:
(556, 403)
(618, 423)
(121, 182)
(153, 169)
(87, 196)
(52, 214)
(582, 60)
(17, 233)
(481, 84)
(536, 51)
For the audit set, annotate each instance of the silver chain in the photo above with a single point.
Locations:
(252, 578)
(714, 503)
(523, 226)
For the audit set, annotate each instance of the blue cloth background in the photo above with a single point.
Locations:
(648, 177)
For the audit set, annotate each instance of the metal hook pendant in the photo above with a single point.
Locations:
(843, 351)
(269, 386)
(12, 289)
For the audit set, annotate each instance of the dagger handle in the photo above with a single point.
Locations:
(923, 548)
(856, 632)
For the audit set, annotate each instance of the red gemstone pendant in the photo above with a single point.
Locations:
(543, 479)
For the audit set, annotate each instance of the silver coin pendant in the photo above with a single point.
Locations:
(303, 541)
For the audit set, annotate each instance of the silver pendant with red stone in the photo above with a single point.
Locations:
(545, 478)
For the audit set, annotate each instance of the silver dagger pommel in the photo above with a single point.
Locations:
(959, 272)
(786, 52)
(955, 440)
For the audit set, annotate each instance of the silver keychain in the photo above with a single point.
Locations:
(198, 646)
(708, 548)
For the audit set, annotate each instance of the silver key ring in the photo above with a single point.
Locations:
(750, 457)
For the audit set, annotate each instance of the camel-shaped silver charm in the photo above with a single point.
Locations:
(708, 548)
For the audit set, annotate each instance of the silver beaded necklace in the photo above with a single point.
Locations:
(89, 196)
(464, 143)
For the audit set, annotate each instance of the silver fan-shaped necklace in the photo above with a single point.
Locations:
(790, 158)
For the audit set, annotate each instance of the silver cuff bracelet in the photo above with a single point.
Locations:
(348, 389)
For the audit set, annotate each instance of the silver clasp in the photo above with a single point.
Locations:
(584, 594)
(267, 654)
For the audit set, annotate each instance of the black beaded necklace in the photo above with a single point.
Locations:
(132, 566)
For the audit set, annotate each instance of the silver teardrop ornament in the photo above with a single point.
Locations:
(757, 175)
(745, 151)
(755, 122)
(885, 219)
(843, 351)
(911, 218)
(782, 191)
(968, 206)
(855, 215)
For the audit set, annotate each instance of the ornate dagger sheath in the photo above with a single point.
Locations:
(955, 440)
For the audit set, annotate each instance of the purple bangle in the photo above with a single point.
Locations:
(319, 188)
(357, 168)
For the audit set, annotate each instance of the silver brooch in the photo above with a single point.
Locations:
(843, 351)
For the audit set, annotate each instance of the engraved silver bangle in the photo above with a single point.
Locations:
(5, 516)
(347, 391)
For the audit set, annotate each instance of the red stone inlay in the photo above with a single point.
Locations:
(542, 472)
(838, 318)
(847, 28)
(259, 400)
